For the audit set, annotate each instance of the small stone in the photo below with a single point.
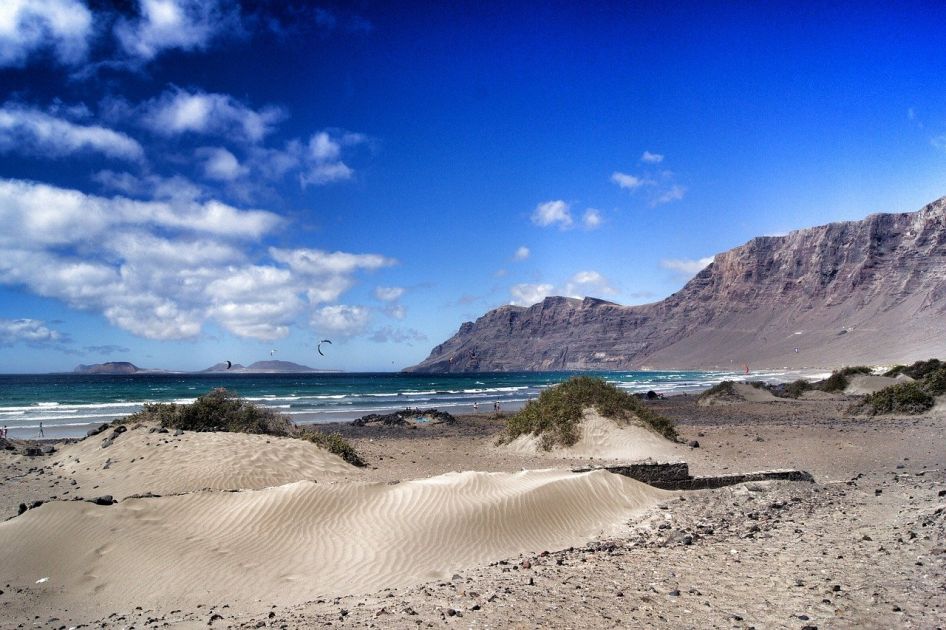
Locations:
(693, 444)
(674, 593)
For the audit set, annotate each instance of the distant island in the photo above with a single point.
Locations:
(259, 367)
(112, 367)
(263, 367)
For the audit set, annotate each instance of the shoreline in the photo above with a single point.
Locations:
(63, 420)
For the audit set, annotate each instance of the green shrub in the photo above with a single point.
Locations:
(724, 388)
(918, 370)
(909, 398)
(334, 443)
(556, 414)
(217, 410)
(222, 410)
(796, 388)
(935, 382)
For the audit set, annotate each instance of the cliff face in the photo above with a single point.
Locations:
(871, 291)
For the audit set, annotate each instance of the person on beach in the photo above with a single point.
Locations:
(3, 433)
(41, 433)
(476, 406)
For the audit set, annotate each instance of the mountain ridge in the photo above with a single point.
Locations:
(868, 291)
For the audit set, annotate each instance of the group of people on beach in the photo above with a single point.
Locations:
(497, 407)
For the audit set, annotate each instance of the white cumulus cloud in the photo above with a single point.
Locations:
(624, 180)
(30, 26)
(162, 268)
(178, 111)
(552, 212)
(588, 283)
(581, 284)
(175, 24)
(591, 219)
(220, 164)
(388, 294)
(341, 319)
(651, 158)
(323, 163)
(28, 130)
(529, 294)
(27, 330)
(521, 253)
(686, 266)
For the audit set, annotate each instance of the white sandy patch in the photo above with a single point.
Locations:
(160, 463)
(743, 393)
(603, 438)
(868, 383)
(296, 542)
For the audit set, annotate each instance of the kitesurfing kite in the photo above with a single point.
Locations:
(319, 348)
(229, 365)
(272, 352)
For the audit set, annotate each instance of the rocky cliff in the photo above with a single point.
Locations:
(870, 291)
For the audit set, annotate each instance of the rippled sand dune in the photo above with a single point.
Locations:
(295, 542)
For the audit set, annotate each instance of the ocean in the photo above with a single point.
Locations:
(68, 405)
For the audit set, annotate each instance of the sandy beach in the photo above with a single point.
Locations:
(444, 527)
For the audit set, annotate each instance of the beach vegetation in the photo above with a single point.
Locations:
(838, 381)
(217, 410)
(720, 390)
(556, 414)
(908, 398)
(918, 370)
(334, 443)
(935, 382)
(223, 410)
(796, 388)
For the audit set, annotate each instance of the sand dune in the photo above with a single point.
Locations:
(868, 383)
(298, 541)
(743, 392)
(160, 463)
(603, 438)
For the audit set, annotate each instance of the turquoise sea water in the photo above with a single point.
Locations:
(69, 404)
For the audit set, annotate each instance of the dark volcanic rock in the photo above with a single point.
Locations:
(97, 430)
(407, 416)
(882, 281)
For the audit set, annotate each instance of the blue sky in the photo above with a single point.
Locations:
(183, 183)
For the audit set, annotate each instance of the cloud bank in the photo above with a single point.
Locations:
(163, 269)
